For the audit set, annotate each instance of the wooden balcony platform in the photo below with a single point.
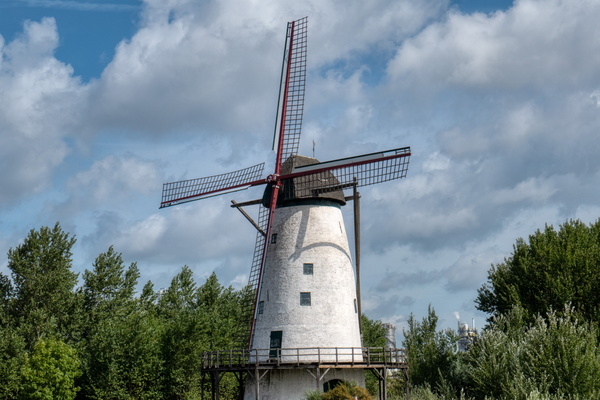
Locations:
(291, 358)
(256, 363)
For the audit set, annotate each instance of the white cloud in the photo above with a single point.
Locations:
(501, 111)
(541, 45)
(38, 108)
(115, 179)
(192, 63)
(436, 161)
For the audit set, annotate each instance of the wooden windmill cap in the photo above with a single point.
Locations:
(320, 186)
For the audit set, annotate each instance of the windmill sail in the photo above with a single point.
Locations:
(247, 309)
(290, 110)
(366, 169)
(287, 140)
(200, 188)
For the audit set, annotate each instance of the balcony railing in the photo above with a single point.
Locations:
(360, 356)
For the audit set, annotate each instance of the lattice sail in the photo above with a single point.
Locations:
(248, 309)
(292, 89)
(367, 169)
(200, 188)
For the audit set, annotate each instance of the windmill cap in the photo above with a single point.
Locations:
(320, 186)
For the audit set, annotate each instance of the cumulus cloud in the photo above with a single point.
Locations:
(38, 108)
(192, 63)
(534, 45)
(114, 179)
(501, 111)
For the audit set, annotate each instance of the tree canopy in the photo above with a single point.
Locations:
(102, 340)
(552, 269)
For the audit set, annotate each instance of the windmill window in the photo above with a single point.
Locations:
(274, 238)
(308, 268)
(305, 298)
(355, 307)
(261, 306)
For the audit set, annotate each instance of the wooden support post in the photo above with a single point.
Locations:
(216, 380)
(384, 383)
(357, 252)
(256, 382)
(241, 384)
(318, 379)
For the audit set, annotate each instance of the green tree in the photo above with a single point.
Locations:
(373, 335)
(221, 309)
(12, 353)
(49, 372)
(121, 340)
(553, 269)
(555, 356)
(196, 319)
(5, 298)
(184, 337)
(431, 355)
(148, 297)
(123, 359)
(42, 301)
(109, 288)
(373, 332)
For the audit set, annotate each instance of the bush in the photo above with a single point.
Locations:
(554, 357)
(347, 391)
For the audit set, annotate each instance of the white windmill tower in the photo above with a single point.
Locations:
(305, 316)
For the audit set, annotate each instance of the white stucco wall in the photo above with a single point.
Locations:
(308, 234)
(313, 234)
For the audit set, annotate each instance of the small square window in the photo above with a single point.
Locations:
(261, 307)
(274, 238)
(305, 298)
(308, 269)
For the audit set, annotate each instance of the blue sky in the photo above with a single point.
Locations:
(89, 30)
(102, 102)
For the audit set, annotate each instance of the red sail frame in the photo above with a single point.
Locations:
(276, 181)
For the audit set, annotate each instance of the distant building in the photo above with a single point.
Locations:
(467, 336)
(390, 335)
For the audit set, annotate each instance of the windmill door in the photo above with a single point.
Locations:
(275, 344)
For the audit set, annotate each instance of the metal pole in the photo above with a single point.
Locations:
(357, 251)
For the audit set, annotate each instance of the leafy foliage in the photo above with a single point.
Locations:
(430, 353)
(12, 355)
(346, 391)
(553, 269)
(102, 338)
(556, 355)
(49, 372)
(120, 339)
(103, 341)
(373, 332)
(374, 335)
(42, 300)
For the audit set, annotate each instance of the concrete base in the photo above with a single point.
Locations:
(293, 384)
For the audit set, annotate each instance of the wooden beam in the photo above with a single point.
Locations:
(248, 217)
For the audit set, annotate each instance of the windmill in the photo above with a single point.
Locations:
(301, 239)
